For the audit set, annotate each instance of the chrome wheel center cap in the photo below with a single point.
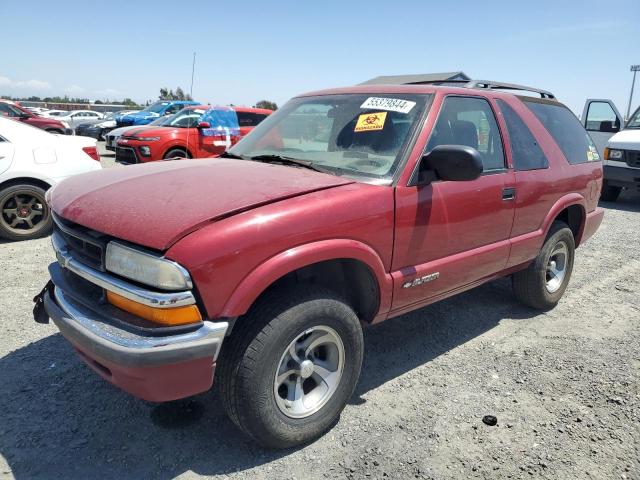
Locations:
(552, 264)
(306, 369)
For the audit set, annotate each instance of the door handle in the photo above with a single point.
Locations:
(508, 193)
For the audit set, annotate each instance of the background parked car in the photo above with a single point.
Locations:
(194, 132)
(16, 112)
(76, 117)
(54, 113)
(31, 161)
(152, 112)
(99, 130)
(111, 139)
(37, 110)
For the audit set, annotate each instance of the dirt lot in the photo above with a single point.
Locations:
(565, 386)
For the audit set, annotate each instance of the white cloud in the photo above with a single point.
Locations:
(108, 92)
(33, 84)
(74, 89)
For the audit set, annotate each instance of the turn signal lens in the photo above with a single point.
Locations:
(162, 316)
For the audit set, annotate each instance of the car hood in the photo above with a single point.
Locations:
(158, 203)
(626, 139)
(152, 131)
(121, 130)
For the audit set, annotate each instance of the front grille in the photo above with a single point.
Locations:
(126, 155)
(632, 157)
(84, 244)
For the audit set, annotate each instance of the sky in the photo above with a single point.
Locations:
(252, 50)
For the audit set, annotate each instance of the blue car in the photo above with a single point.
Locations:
(152, 112)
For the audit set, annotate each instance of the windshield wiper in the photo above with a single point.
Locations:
(290, 161)
(232, 155)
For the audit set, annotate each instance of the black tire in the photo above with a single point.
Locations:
(54, 130)
(31, 199)
(250, 359)
(175, 153)
(609, 192)
(531, 285)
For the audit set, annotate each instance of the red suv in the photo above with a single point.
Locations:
(193, 132)
(342, 209)
(17, 112)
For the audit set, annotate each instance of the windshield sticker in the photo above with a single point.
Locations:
(368, 122)
(390, 104)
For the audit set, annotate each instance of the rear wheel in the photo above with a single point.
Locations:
(542, 284)
(609, 193)
(175, 153)
(24, 214)
(290, 366)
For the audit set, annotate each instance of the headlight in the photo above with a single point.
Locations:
(613, 154)
(148, 139)
(65, 124)
(146, 268)
(145, 150)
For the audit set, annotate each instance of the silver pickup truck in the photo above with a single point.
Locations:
(618, 144)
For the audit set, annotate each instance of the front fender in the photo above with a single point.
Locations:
(301, 256)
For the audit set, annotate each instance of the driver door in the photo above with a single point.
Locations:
(452, 234)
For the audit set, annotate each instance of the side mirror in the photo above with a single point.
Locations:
(204, 125)
(457, 163)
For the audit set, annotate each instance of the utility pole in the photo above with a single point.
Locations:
(193, 69)
(634, 69)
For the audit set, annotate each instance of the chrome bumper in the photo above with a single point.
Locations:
(96, 336)
(125, 289)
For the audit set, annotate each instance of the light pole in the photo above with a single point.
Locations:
(634, 69)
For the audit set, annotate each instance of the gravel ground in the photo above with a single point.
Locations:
(564, 386)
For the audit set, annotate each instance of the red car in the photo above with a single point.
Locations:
(194, 132)
(17, 112)
(343, 209)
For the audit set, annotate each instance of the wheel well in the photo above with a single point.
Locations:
(349, 278)
(25, 180)
(574, 217)
(182, 149)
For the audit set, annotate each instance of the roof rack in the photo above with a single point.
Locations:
(490, 84)
(508, 86)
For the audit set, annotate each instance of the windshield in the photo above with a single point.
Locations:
(157, 107)
(360, 134)
(634, 121)
(185, 118)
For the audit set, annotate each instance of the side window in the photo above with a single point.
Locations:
(9, 111)
(250, 119)
(527, 154)
(566, 130)
(469, 121)
(601, 118)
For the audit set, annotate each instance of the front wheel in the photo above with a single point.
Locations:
(24, 213)
(290, 366)
(175, 153)
(542, 284)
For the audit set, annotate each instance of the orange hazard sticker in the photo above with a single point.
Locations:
(370, 121)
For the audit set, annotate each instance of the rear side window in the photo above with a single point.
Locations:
(527, 154)
(250, 119)
(566, 130)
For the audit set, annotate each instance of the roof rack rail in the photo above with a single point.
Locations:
(490, 84)
(508, 86)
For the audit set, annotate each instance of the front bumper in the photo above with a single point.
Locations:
(151, 362)
(622, 176)
(152, 368)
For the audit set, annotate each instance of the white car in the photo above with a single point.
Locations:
(77, 117)
(54, 113)
(32, 161)
(38, 110)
